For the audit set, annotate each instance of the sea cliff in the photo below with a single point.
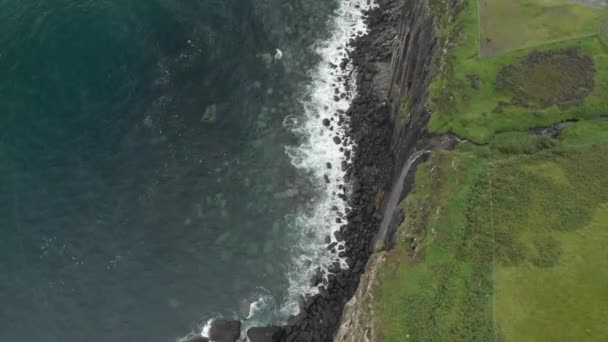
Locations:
(476, 179)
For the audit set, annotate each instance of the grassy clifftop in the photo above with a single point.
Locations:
(505, 239)
(516, 71)
(502, 246)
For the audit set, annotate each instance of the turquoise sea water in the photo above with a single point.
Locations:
(144, 185)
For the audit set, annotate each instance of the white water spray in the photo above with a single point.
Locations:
(319, 149)
(329, 95)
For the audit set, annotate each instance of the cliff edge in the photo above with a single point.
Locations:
(496, 232)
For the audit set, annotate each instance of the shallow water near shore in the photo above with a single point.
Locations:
(162, 164)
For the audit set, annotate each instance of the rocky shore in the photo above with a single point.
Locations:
(383, 143)
(370, 172)
(395, 64)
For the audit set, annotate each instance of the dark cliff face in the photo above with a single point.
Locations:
(417, 55)
(394, 64)
(385, 59)
(414, 50)
(401, 75)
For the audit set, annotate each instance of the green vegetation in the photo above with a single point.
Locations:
(379, 246)
(505, 239)
(550, 220)
(441, 291)
(520, 142)
(493, 229)
(506, 25)
(604, 32)
(564, 301)
(476, 97)
(586, 132)
(543, 79)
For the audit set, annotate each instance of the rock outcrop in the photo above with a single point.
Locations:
(222, 330)
(415, 54)
(394, 62)
(265, 334)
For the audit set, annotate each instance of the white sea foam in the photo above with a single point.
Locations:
(256, 306)
(206, 327)
(312, 156)
(319, 148)
(260, 311)
(204, 331)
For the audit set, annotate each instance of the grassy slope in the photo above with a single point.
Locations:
(471, 113)
(505, 241)
(527, 23)
(551, 265)
(443, 292)
(562, 303)
(541, 214)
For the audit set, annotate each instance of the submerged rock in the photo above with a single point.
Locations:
(223, 330)
(268, 247)
(210, 114)
(222, 238)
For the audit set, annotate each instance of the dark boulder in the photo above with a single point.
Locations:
(223, 330)
(317, 278)
(344, 165)
(339, 236)
(265, 334)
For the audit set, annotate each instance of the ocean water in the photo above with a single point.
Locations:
(161, 163)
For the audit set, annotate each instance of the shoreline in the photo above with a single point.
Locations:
(406, 47)
(370, 171)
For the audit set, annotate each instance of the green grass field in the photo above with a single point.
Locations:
(470, 98)
(507, 25)
(511, 244)
(442, 293)
(550, 215)
(563, 302)
(505, 239)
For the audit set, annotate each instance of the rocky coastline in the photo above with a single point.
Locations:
(369, 172)
(382, 145)
(395, 64)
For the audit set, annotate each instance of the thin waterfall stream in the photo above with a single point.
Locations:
(393, 201)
